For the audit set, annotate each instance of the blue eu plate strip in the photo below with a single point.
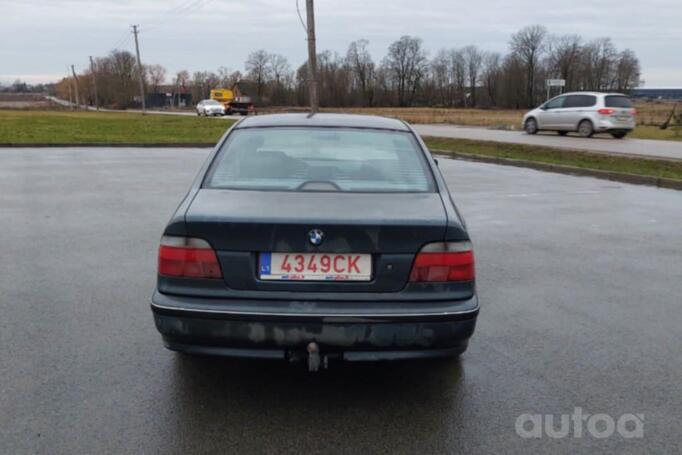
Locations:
(265, 260)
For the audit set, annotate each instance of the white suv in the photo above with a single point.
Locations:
(586, 113)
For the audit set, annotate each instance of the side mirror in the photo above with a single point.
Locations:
(435, 161)
(543, 107)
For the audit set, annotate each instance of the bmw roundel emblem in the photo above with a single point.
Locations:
(315, 237)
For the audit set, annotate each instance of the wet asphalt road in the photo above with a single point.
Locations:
(580, 280)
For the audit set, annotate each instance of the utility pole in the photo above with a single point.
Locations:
(139, 70)
(68, 85)
(75, 79)
(94, 81)
(312, 58)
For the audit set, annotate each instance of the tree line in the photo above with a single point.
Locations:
(406, 76)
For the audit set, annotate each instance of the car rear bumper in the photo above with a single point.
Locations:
(353, 337)
(611, 125)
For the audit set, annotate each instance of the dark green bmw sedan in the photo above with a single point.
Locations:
(315, 238)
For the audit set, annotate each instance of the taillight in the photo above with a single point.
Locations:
(606, 111)
(633, 111)
(444, 261)
(187, 257)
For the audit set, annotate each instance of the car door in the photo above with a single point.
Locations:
(549, 116)
(575, 109)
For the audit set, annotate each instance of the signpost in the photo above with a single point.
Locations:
(549, 83)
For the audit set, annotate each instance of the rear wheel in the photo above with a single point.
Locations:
(619, 134)
(531, 126)
(585, 129)
(562, 133)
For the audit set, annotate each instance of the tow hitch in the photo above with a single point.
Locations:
(314, 358)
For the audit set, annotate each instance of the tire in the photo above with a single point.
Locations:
(585, 128)
(562, 133)
(619, 134)
(199, 113)
(531, 126)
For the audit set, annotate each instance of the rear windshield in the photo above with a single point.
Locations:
(211, 102)
(320, 159)
(617, 101)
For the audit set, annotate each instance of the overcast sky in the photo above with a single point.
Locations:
(38, 38)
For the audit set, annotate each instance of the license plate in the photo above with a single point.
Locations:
(315, 267)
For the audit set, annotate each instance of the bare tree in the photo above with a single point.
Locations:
(122, 67)
(474, 59)
(181, 81)
(363, 68)
(598, 64)
(528, 44)
(564, 53)
(227, 78)
(407, 64)
(258, 69)
(200, 88)
(281, 74)
(280, 67)
(334, 79)
(441, 74)
(491, 75)
(459, 75)
(628, 71)
(156, 75)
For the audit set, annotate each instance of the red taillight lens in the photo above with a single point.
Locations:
(444, 261)
(187, 257)
(606, 111)
(633, 111)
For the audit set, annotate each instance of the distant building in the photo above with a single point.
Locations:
(169, 95)
(658, 93)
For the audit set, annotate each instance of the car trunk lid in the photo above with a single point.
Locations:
(391, 227)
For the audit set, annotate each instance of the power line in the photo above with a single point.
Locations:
(189, 7)
(185, 7)
(122, 39)
(298, 10)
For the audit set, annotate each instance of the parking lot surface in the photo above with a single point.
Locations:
(581, 288)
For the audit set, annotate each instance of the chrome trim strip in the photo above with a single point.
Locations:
(316, 315)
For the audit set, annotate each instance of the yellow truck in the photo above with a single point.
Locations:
(233, 104)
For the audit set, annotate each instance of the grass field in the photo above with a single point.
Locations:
(54, 127)
(585, 160)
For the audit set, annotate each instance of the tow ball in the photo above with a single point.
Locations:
(314, 358)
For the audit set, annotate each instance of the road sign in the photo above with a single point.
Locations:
(555, 82)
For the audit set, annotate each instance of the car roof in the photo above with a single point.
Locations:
(323, 120)
(594, 93)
